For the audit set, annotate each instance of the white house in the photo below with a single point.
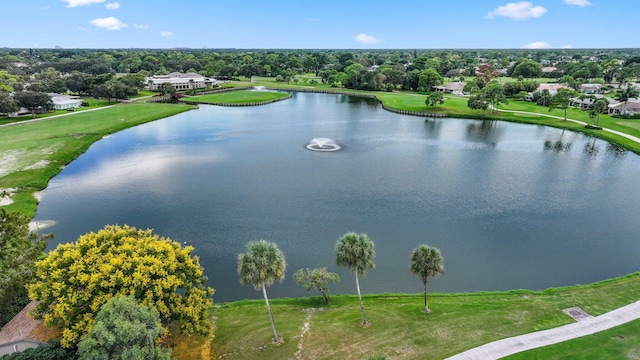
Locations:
(179, 81)
(62, 102)
(453, 87)
(631, 107)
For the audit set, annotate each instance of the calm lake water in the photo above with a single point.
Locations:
(509, 205)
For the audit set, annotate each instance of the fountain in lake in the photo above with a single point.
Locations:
(322, 144)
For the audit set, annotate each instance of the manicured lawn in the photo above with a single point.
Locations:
(239, 97)
(621, 342)
(32, 153)
(399, 329)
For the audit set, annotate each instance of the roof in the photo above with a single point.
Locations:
(550, 87)
(632, 105)
(20, 327)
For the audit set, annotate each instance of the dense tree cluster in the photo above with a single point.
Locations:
(76, 279)
(19, 251)
(103, 72)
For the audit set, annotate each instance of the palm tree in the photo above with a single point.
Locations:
(628, 93)
(260, 266)
(426, 261)
(356, 252)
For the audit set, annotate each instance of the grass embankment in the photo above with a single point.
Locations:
(400, 330)
(456, 106)
(239, 97)
(93, 104)
(621, 342)
(32, 153)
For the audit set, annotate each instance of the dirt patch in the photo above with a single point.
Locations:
(5, 196)
(39, 165)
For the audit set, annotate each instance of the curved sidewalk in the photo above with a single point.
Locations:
(586, 326)
(630, 137)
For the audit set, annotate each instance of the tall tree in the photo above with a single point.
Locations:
(485, 74)
(561, 100)
(434, 98)
(426, 262)
(318, 278)
(428, 79)
(477, 102)
(356, 252)
(628, 93)
(33, 100)
(494, 94)
(124, 330)
(7, 104)
(261, 265)
(19, 251)
(76, 279)
(599, 107)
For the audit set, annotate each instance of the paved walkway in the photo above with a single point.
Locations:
(630, 137)
(45, 118)
(585, 326)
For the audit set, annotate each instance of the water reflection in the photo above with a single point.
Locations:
(591, 149)
(505, 213)
(433, 128)
(484, 131)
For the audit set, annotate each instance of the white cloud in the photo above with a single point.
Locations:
(578, 2)
(366, 39)
(538, 45)
(166, 34)
(141, 27)
(74, 3)
(109, 23)
(567, 47)
(112, 6)
(518, 11)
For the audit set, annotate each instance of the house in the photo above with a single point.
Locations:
(591, 89)
(62, 102)
(179, 81)
(631, 107)
(18, 334)
(585, 103)
(552, 88)
(452, 88)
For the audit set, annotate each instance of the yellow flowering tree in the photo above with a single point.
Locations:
(76, 279)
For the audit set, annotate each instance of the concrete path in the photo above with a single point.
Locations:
(585, 326)
(630, 137)
(56, 116)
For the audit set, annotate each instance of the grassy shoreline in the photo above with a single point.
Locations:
(33, 153)
(399, 329)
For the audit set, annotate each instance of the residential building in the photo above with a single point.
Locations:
(179, 81)
(62, 102)
(630, 107)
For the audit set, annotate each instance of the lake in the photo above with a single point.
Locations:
(509, 205)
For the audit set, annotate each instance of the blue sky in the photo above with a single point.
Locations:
(315, 24)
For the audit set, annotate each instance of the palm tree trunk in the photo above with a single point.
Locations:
(426, 302)
(426, 305)
(364, 320)
(273, 323)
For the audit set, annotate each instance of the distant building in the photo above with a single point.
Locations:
(180, 81)
(62, 102)
(452, 88)
(591, 88)
(553, 88)
(631, 107)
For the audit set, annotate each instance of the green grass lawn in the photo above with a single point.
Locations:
(400, 330)
(32, 153)
(239, 97)
(620, 342)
